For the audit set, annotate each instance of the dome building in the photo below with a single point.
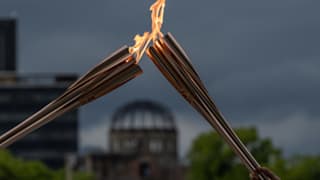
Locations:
(144, 127)
(142, 145)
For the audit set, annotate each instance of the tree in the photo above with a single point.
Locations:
(303, 167)
(16, 169)
(211, 158)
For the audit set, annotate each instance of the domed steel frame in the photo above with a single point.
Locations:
(143, 115)
(144, 128)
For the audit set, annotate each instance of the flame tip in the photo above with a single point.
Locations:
(142, 42)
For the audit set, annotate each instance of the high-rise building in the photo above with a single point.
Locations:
(20, 97)
(7, 44)
(23, 95)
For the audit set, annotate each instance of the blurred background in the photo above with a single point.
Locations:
(259, 60)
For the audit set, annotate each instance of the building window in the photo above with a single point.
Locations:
(144, 170)
(130, 145)
(2, 49)
(155, 146)
(171, 146)
(5, 98)
(116, 146)
(13, 116)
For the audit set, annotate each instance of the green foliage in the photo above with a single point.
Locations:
(303, 167)
(212, 159)
(16, 169)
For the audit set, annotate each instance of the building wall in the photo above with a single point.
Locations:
(21, 96)
(51, 142)
(7, 45)
(143, 146)
(160, 143)
(130, 167)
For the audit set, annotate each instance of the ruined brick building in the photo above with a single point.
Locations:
(142, 145)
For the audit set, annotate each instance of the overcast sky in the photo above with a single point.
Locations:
(260, 60)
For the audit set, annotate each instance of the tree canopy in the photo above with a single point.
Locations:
(211, 158)
(17, 169)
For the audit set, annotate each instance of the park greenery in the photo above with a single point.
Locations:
(211, 159)
(16, 169)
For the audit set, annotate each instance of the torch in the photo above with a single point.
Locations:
(175, 65)
(112, 72)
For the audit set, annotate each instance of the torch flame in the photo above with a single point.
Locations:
(142, 42)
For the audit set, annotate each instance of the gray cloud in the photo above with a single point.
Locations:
(259, 59)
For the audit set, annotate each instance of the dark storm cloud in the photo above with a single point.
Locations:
(259, 59)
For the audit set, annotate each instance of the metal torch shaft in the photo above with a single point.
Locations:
(217, 116)
(108, 75)
(184, 88)
(76, 88)
(173, 62)
(105, 86)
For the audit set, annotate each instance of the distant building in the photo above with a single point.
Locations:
(7, 45)
(20, 97)
(143, 145)
(23, 95)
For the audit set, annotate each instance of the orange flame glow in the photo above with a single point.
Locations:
(142, 42)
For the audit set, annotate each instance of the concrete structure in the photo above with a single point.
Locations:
(142, 146)
(23, 95)
(144, 127)
(7, 45)
(20, 97)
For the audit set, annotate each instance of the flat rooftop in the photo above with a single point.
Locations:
(36, 79)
